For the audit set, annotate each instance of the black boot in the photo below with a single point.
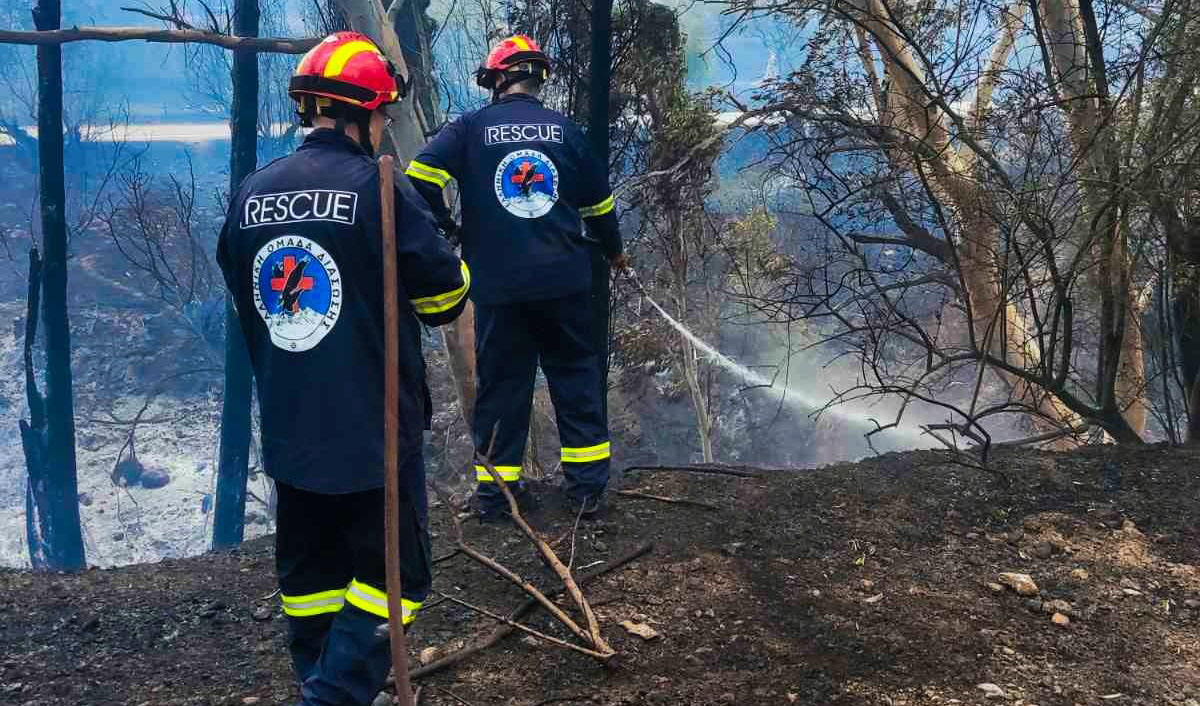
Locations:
(490, 505)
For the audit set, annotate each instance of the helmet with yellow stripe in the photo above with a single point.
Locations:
(347, 68)
(513, 60)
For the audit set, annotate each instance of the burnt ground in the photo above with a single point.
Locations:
(853, 584)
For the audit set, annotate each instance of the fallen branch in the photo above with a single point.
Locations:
(519, 612)
(454, 696)
(603, 657)
(1042, 438)
(574, 536)
(665, 499)
(704, 468)
(274, 45)
(561, 569)
(430, 605)
(507, 573)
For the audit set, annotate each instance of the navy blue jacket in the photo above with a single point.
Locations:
(301, 253)
(528, 180)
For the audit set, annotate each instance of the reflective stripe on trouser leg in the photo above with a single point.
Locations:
(586, 454)
(586, 469)
(509, 474)
(314, 603)
(371, 600)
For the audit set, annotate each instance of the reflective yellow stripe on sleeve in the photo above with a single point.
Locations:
(605, 206)
(509, 474)
(444, 302)
(314, 603)
(424, 172)
(586, 454)
(371, 600)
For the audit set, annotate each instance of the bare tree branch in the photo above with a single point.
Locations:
(166, 36)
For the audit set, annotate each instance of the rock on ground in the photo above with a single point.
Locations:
(1023, 584)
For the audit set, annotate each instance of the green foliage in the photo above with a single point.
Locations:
(755, 261)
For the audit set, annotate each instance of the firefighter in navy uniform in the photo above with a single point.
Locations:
(301, 253)
(529, 181)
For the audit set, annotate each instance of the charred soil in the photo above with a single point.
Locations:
(870, 583)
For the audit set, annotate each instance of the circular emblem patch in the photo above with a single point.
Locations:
(297, 291)
(527, 184)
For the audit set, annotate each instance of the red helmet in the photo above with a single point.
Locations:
(347, 67)
(519, 54)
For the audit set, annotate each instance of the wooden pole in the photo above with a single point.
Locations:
(391, 428)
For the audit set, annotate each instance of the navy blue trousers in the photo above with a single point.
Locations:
(511, 340)
(329, 554)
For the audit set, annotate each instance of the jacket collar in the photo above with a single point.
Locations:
(523, 97)
(327, 137)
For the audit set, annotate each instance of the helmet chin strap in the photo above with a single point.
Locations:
(364, 135)
(511, 78)
(363, 124)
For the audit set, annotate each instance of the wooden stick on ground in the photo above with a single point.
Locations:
(520, 611)
(563, 572)
(711, 470)
(524, 628)
(665, 499)
(507, 573)
(391, 430)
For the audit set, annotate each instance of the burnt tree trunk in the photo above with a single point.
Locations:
(1186, 306)
(33, 432)
(63, 539)
(229, 517)
(598, 124)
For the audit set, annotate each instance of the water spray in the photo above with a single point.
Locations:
(794, 398)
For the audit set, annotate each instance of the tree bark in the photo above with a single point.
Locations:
(998, 326)
(1185, 305)
(65, 543)
(407, 135)
(229, 517)
(33, 432)
(678, 259)
(1121, 387)
(409, 124)
(598, 125)
(691, 374)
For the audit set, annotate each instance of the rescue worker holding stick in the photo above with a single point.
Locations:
(529, 181)
(302, 256)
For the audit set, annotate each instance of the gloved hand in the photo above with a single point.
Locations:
(451, 232)
(620, 262)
